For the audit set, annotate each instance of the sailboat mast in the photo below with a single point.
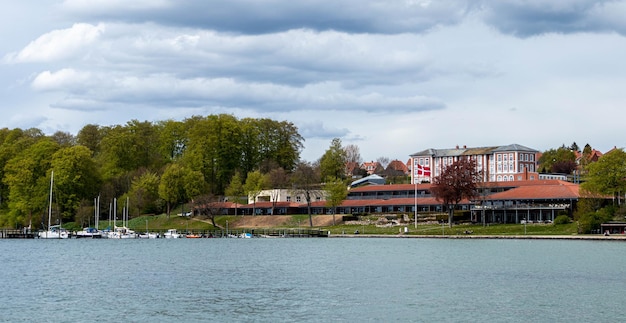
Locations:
(50, 202)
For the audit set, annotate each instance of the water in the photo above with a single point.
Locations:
(339, 280)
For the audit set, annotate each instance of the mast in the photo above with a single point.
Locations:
(50, 202)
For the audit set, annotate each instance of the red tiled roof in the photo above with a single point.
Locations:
(563, 190)
(398, 165)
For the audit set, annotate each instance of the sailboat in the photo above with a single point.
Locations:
(122, 232)
(54, 231)
(91, 232)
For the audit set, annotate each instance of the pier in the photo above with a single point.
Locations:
(17, 234)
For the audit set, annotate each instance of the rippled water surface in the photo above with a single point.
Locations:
(344, 280)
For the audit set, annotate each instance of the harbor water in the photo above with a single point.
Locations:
(312, 279)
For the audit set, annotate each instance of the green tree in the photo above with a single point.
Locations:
(336, 193)
(179, 184)
(235, 190)
(561, 160)
(27, 178)
(333, 162)
(144, 193)
(255, 183)
(457, 181)
(608, 175)
(90, 136)
(76, 178)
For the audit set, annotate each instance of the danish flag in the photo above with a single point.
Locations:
(423, 170)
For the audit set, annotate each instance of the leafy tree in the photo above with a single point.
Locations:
(457, 181)
(76, 178)
(235, 188)
(306, 181)
(255, 183)
(64, 139)
(173, 139)
(608, 175)
(27, 176)
(333, 162)
(336, 193)
(179, 184)
(561, 160)
(144, 193)
(90, 136)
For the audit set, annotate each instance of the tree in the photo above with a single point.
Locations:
(561, 160)
(608, 175)
(235, 189)
(179, 184)
(353, 154)
(333, 162)
(306, 181)
(76, 178)
(144, 193)
(336, 193)
(383, 162)
(210, 206)
(457, 181)
(255, 183)
(27, 176)
(276, 179)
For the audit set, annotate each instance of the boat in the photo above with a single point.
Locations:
(54, 231)
(89, 232)
(122, 232)
(193, 236)
(246, 235)
(171, 234)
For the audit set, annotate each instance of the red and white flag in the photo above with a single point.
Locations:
(423, 170)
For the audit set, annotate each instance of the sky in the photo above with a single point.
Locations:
(392, 77)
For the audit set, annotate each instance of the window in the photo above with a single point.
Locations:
(298, 199)
(499, 157)
(288, 198)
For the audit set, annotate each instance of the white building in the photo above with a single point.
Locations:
(498, 163)
(286, 195)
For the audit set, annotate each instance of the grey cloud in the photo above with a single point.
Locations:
(256, 17)
(528, 18)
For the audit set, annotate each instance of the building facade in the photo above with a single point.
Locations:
(497, 164)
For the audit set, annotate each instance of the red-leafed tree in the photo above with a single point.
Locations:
(457, 181)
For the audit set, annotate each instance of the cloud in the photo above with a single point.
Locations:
(65, 79)
(58, 44)
(527, 18)
(257, 17)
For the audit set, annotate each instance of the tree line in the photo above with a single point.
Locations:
(156, 165)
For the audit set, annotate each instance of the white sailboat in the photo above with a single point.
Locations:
(90, 232)
(122, 232)
(54, 231)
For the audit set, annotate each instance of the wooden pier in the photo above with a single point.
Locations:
(17, 234)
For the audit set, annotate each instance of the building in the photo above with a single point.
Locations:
(498, 163)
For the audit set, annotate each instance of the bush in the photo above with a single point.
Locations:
(562, 219)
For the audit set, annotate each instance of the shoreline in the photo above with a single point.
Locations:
(471, 236)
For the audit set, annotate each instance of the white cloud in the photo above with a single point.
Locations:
(65, 79)
(58, 44)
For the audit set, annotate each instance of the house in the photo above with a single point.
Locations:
(371, 167)
(497, 163)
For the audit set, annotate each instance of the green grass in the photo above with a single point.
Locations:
(161, 223)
